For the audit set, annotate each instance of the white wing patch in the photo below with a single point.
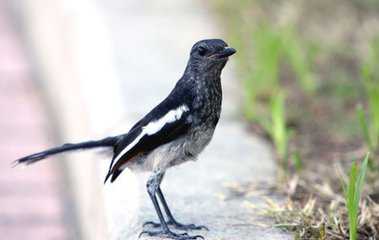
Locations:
(170, 117)
(154, 127)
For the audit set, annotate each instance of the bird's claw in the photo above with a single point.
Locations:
(153, 224)
(171, 235)
(177, 225)
(191, 227)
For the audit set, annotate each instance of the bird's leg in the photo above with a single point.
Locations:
(171, 219)
(152, 188)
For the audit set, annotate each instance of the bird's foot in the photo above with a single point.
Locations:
(177, 225)
(168, 234)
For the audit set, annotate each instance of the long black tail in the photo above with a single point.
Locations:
(106, 142)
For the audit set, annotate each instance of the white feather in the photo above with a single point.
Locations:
(171, 116)
(154, 127)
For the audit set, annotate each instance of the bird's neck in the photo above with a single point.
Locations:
(195, 69)
(203, 81)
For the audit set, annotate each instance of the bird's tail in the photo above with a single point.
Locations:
(106, 142)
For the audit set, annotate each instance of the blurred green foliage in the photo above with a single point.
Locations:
(311, 76)
(320, 70)
(272, 48)
(297, 161)
(370, 75)
(267, 51)
(276, 126)
(278, 129)
(301, 58)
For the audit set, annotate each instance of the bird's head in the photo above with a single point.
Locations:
(209, 55)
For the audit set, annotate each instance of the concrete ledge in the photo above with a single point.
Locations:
(151, 44)
(196, 191)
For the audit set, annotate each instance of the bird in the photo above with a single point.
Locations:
(175, 131)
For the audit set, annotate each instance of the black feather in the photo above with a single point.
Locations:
(181, 94)
(115, 175)
(106, 142)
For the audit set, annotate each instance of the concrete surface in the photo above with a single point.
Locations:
(152, 41)
(120, 58)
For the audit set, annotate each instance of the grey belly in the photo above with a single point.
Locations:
(173, 153)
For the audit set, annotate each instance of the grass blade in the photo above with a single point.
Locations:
(364, 126)
(353, 192)
(279, 128)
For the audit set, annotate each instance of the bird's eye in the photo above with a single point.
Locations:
(202, 51)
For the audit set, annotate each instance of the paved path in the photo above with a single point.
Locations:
(152, 41)
(30, 200)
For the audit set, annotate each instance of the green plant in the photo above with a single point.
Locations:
(374, 111)
(299, 58)
(270, 47)
(353, 190)
(370, 75)
(364, 127)
(267, 50)
(297, 161)
(278, 129)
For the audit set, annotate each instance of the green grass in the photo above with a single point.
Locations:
(272, 48)
(267, 45)
(364, 127)
(353, 190)
(300, 58)
(320, 77)
(263, 78)
(297, 161)
(370, 76)
(276, 126)
(279, 131)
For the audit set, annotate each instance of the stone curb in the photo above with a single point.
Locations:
(91, 95)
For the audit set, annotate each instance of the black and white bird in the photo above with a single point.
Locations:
(175, 131)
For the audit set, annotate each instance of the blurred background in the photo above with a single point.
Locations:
(311, 87)
(309, 72)
(33, 204)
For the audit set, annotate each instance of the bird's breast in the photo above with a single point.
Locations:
(197, 140)
(207, 106)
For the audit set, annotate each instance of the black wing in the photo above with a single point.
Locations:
(142, 138)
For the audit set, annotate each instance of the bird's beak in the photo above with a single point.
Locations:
(228, 51)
